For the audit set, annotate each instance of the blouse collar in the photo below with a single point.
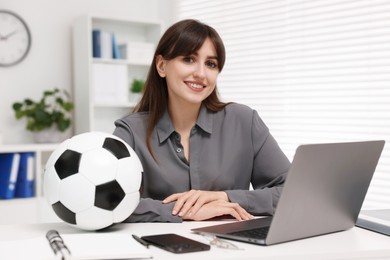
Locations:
(165, 127)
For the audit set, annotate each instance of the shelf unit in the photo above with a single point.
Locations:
(42, 153)
(91, 115)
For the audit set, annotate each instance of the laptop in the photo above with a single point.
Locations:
(323, 193)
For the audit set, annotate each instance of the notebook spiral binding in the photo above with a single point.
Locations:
(57, 244)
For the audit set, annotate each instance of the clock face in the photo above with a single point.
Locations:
(15, 39)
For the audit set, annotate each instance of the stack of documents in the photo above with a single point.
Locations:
(81, 246)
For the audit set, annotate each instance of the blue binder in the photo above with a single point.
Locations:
(96, 44)
(9, 165)
(115, 48)
(25, 182)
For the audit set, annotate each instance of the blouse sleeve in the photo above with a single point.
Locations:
(270, 167)
(148, 210)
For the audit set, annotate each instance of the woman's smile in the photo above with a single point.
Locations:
(195, 86)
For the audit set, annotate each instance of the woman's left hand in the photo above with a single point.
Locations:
(218, 208)
(188, 203)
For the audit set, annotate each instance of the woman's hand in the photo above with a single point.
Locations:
(218, 208)
(188, 203)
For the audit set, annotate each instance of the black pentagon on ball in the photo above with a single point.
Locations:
(108, 195)
(64, 213)
(116, 147)
(67, 164)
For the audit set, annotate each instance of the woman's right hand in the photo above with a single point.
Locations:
(189, 202)
(219, 208)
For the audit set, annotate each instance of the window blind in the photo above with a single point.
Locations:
(316, 71)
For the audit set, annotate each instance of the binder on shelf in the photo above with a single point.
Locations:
(96, 44)
(115, 49)
(106, 44)
(9, 165)
(25, 182)
(102, 44)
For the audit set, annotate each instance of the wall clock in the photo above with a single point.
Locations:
(15, 39)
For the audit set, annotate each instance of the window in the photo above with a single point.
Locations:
(316, 71)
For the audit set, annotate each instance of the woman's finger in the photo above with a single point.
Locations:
(181, 199)
(172, 197)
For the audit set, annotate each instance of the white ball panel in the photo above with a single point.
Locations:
(99, 166)
(77, 193)
(57, 153)
(126, 207)
(94, 219)
(51, 185)
(87, 141)
(129, 174)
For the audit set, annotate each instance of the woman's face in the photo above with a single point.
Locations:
(190, 79)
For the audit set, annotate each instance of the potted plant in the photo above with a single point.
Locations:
(136, 89)
(51, 112)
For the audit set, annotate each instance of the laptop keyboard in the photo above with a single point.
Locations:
(258, 233)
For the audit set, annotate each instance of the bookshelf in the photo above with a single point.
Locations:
(92, 114)
(41, 152)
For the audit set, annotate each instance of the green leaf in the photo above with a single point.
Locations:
(53, 108)
(17, 106)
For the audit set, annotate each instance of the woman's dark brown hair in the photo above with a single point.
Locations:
(181, 39)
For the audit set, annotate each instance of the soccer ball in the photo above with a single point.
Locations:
(92, 180)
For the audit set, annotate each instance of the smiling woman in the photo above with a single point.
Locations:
(15, 38)
(190, 80)
(199, 154)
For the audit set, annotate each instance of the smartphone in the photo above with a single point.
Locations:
(175, 243)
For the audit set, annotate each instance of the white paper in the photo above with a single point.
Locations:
(81, 246)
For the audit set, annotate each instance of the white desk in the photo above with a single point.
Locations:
(355, 243)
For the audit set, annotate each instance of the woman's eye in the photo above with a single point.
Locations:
(211, 64)
(188, 59)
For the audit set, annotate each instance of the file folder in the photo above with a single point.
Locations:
(25, 182)
(9, 165)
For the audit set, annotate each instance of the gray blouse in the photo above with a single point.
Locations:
(229, 150)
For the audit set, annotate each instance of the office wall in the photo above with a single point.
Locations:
(49, 62)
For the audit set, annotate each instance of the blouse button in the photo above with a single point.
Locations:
(178, 150)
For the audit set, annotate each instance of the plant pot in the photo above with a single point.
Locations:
(49, 135)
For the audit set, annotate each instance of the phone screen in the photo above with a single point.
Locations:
(175, 243)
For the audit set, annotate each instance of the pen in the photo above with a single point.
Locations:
(141, 241)
(57, 244)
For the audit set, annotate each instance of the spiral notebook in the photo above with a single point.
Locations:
(81, 246)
